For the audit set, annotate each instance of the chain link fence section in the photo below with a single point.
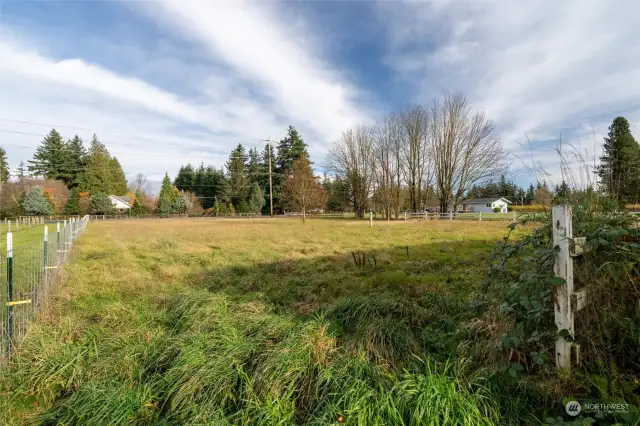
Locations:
(30, 266)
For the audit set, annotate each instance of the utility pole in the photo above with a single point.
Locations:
(270, 183)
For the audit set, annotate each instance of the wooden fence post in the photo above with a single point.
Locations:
(480, 217)
(370, 219)
(563, 268)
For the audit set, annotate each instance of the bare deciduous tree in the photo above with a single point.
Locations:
(302, 190)
(465, 148)
(386, 156)
(352, 157)
(417, 162)
(139, 184)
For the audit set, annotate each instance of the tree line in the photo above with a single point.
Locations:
(63, 177)
(442, 153)
(437, 151)
(422, 156)
(242, 185)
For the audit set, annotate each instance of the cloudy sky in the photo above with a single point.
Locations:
(169, 82)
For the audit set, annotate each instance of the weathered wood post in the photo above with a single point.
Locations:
(480, 217)
(370, 219)
(451, 215)
(563, 268)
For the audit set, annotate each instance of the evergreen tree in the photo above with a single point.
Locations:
(73, 205)
(530, 196)
(35, 203)
(237, 176)
(185, 179)
(101, 204)
(256, 199)
(118, 180)
(21, 172)
(206, 183)
(199, 181)
(4, 166)
(253, 167)
(290, 149)
(179, 205)
(562, 192)
(77, 157)
(263, 178)
(51, 159)
(338, 194)
(102, 173)
(520, 196)
(619, 169)
(166, 199)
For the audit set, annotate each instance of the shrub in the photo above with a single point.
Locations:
(497, 209)
(36, 203)
(179, 205)
(101, 204)
(519, 289)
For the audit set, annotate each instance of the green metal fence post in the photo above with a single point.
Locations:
(9, 291)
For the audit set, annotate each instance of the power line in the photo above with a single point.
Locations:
(60, 126)
(114, 143)
(143, 135)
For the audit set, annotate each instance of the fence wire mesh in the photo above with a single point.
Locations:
(30, 263)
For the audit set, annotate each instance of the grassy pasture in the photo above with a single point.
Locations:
(264, 322)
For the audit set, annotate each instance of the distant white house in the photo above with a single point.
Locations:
(121, 203)
(486, 205)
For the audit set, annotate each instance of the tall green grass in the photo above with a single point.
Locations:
(217, 362)
(286, 342)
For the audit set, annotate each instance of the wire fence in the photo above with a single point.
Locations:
(32, 260)
(21, 222)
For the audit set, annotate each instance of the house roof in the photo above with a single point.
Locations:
(485, 200)
(122, 198)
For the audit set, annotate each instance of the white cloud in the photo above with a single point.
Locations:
(256, 79)
(540, 68)
(277, 57)
(136, 120)
(20, 63)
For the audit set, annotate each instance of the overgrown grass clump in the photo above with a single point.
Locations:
(224, 363)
